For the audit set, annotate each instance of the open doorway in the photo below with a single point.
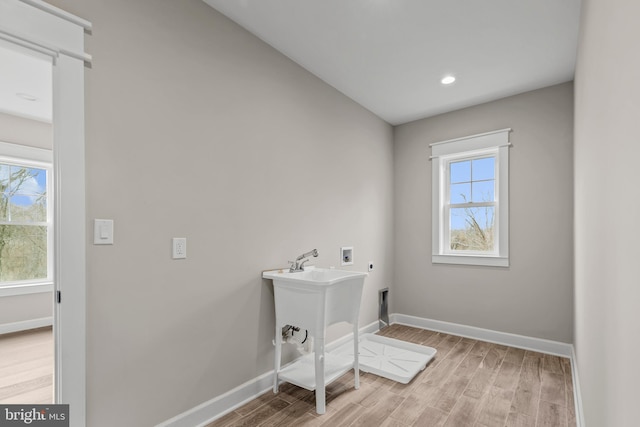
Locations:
(54, 33)
(26, 227)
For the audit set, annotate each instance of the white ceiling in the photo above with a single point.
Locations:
(389, 55)
(26, 74)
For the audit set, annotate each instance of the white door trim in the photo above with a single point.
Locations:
(46, 29)
(70, 220)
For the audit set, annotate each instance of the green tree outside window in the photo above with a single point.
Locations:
(23, 223)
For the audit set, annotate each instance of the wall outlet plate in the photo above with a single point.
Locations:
(370, 267)
(179, 247)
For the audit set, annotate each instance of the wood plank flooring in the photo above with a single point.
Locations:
(469, 383)
(26, 367)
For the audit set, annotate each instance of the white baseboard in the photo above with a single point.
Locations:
(577, 395)
(217, 407)
(25, 325)
(512, 340)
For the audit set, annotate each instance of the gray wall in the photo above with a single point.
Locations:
(532, 297)
(23, 308)
(197, 129)
(607, 208)
(18, 130)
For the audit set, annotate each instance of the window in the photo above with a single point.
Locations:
(470, 200)
(26, 224)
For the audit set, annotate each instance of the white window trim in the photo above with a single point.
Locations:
(442, 152)
(41, 158)
(25, 289)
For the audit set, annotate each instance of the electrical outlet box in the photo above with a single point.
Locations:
(346, 255)
(179, 248)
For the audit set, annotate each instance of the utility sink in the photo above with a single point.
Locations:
(314, 299)
(313, 276)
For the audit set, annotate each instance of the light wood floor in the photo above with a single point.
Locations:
(26, 367)
(469, 383)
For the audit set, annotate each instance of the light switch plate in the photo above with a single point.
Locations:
(103, 232)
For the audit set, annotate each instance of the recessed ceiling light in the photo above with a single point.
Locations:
(447, 80)
(26, 96)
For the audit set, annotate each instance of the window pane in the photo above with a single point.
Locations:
(460, 193)
(460, 171)
(483, 191)
(472, 229)
(4, 207)
(5, 172)
(24, 192)
(27, 180)
(28, 208)
(484, 168)
(40, 176)
(23, 252)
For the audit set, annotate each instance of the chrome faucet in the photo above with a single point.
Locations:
(297, 265)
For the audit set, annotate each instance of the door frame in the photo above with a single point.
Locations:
(36, 25)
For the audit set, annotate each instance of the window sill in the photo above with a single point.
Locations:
(489, 261)
(25, 289)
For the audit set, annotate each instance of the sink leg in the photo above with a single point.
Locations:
(278, 354)
(356, 357)
(319, 364)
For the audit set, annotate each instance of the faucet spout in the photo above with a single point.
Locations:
(313, 253)
(299, 266)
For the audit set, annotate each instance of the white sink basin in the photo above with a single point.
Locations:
(313, 276)
(316, 297)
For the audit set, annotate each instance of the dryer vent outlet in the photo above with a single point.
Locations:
(383, 308)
